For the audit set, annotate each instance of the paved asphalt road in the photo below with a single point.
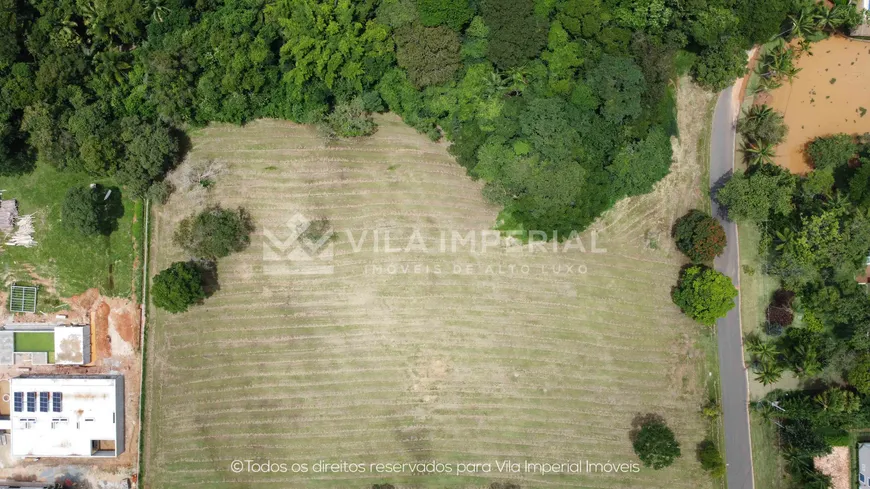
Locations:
(735, 392)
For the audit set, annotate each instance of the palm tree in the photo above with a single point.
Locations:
(112, 66)
(767, 352)
(158, 11)
(495, 83)
(759, 152)
(764, 409)
(804, 23)
(829, 19)
(766, 84)
(768, 373)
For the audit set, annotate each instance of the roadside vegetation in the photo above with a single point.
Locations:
(814, 241)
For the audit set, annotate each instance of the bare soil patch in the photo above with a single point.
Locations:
(836, 465)
(825, 98)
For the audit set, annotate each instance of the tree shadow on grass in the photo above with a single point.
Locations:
(112, 208)
(641, 419)
(208, 271)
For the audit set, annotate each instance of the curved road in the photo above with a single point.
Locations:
(735, 390)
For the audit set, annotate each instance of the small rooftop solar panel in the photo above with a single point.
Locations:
(57, 401)
(31, 402)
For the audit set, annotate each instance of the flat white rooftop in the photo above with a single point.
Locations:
(67, 416)
(72, 345)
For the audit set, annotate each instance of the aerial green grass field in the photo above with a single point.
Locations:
(420, 355)
(68, 262)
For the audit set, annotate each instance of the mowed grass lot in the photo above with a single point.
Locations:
(366, 365)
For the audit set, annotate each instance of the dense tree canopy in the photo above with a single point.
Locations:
(571, 95)
(761, 193)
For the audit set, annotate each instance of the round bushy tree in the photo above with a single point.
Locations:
(711, 459)
(704, 294)
(90, 210)
(831, 151)
(699, 236)
(214, 233)
(655, 445)
(178, 287)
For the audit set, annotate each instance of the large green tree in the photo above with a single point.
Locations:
(91, 210)
(214, 233)
(758, 195)
(699, 236)
(451, 13)
(655, 445)
(704, 294)
(831, 151)
(177, 287)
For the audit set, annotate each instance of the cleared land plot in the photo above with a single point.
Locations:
(372, 365)
(65, 262)
(828, 96)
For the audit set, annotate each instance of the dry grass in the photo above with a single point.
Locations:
(373, 367)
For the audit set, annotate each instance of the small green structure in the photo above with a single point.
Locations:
(22, 298)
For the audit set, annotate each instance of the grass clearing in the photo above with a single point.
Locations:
(67, 262)
(25, 342)
(770, 469)
(422, 355)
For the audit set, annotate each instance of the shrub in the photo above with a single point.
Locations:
(711, 459)
(350, 119)
(177, 287)
(655, 445)
(699, 236)
(831, 151)
(159, 192)
(779, 315)
(704, 294)
(859, 375)
(214, 233)
(91, 210)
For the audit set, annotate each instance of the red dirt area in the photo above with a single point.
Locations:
(124, 319)
(101, 330)
(826, 97)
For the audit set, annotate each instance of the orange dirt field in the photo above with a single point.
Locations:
(814, 106)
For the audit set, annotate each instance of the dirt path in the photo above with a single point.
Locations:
(827, 97)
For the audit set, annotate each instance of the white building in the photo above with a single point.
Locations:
(67, 416)
(72, 345)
